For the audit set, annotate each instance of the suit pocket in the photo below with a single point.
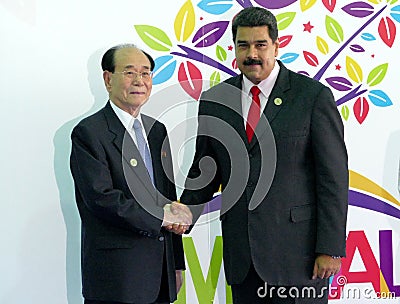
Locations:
(302, 213)
(115, 243)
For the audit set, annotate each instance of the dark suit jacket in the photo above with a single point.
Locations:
(284, 195)
(123, 244)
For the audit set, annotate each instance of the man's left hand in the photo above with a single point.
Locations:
(179, 280)
(326, 266)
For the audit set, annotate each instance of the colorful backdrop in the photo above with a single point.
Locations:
(51, 78)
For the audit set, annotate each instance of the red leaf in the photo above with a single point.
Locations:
(234, 64)
(361, 109)
(310, 58)
(190, 79)
(387, 31)
(329, 4)
(284, 40)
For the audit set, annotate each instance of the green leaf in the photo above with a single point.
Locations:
(285, 19)
(345, 112)
(334, 29)
(221, 53)
(154, 37)
(215, 78)
(377, 74)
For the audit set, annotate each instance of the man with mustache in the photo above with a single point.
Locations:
(273, 139)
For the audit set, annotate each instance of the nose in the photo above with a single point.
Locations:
(137, 79)
(252, 52)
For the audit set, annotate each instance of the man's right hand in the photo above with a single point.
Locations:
(177, 217)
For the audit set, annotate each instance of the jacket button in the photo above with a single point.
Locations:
(161, 238)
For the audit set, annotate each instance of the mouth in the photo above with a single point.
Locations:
(137, 93)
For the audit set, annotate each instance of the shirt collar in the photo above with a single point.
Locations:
(125, 118)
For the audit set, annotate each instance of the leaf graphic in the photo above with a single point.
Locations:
(354, 70)
(306, 4)
(234, 64)
(395, 13)
(322, 45)
(329, 4)
(339, 83)
(379, 98)
(215, 78)
(289, 57)
(375, 1)
(164, 69)
(357, 48)
(334, 29)
(361, 109)
(273, 4)
(210, 33)
(387, 31)
(345, 112)
(184, 21)
(154, 37)
(285, 19)
(359, 9)
(392, 1)
(214, 7)
(285, 40)
(221, 53)
(368, 37)
(303, 73)
(190, 79)
(377, 74)
(310, 58)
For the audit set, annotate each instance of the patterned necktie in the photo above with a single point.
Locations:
(143, 148)
(254, 113)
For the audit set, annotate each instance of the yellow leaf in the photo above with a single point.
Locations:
(354, 70)
(306, 4)
(185, 21)
(375, 1)
(322, 45)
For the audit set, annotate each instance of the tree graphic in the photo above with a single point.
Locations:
(187, 55)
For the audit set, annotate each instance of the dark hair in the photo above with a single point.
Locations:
(108, 60)
(255, 16)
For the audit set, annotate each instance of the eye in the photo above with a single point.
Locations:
(129, 73)
(146, 74)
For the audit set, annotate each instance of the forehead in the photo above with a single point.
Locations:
(254, 33)
(131, 57)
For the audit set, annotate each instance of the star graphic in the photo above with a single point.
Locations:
(337, 67)
(308, 27)
(230, 48)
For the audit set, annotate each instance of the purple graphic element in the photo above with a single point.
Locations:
(386, 260)
(356, 199)
(358, 9)
(197, 56)
(244, 3)
(357, 48)
(273, 4)
(349, 96)
(304, 73)
(210, 33)
(365, 201)
(329, 62)
(339, 83)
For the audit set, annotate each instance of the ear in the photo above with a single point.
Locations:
(107, 80)
(276, 45)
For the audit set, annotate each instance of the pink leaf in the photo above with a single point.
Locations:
(284, 40)
(361, 109)
(190, 79)
(387, 31)
(310, 58)
(329, 4)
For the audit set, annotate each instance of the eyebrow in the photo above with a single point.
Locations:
(257, 41)
(130, 66)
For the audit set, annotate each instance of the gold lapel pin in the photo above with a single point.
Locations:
(133, 162)
(163, 154)
(277, 101)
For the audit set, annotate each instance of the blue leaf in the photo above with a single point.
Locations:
(289, 57)
(368, 37)
(379, 98)
(163, 69)
(215, 7)
(395, 13)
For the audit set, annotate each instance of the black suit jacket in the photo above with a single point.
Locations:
(123, 244)
(284, 195)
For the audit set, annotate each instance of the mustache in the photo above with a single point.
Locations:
(251, 61)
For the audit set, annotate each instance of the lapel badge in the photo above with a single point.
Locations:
(163, 154)
(133, 162)
(277, 101)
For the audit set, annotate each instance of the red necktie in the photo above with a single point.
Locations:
(254, 113)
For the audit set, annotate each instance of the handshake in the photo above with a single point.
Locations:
(177, 217)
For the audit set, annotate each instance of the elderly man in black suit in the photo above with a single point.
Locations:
(274, 140)
(122, 169)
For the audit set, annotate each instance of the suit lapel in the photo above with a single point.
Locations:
(130, 154)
